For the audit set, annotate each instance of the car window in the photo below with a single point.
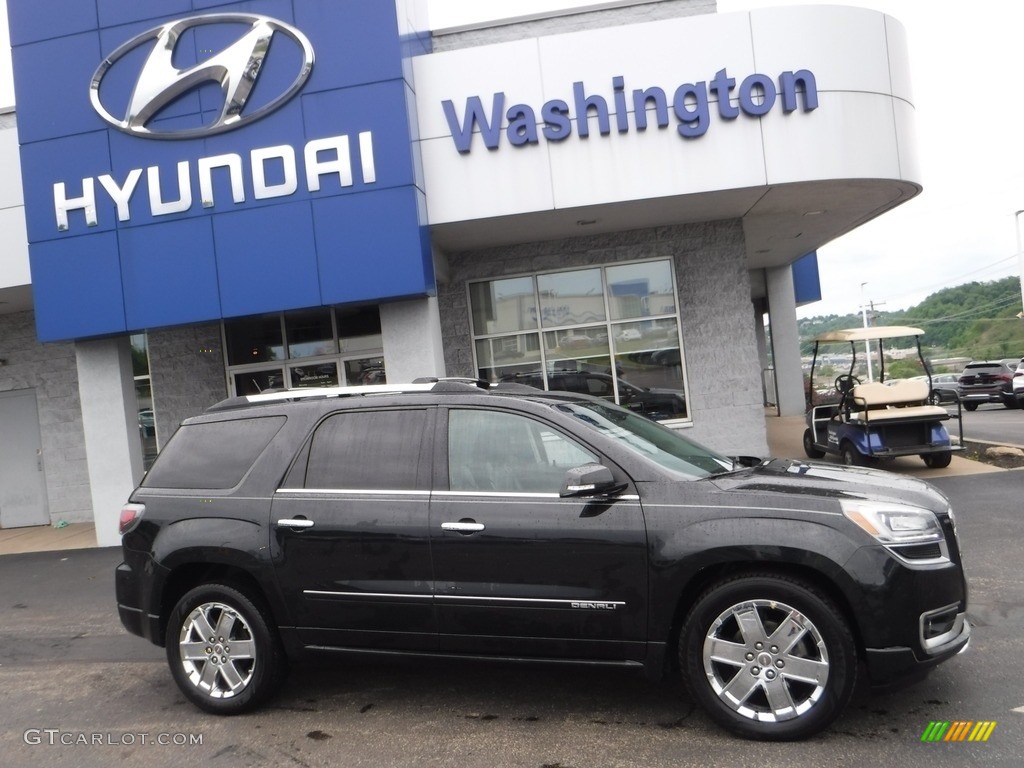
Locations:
(213, 454)
(369, 450)
(505, 452)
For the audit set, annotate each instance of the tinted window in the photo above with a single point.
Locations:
(212, 455)
(495, 451)
(369, 450)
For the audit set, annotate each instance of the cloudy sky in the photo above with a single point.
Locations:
(966, 63)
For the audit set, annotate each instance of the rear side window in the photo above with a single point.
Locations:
(213, 455)
(369, 450)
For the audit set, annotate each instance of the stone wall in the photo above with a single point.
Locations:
(50, 370)
(717, 322)
(186, 366)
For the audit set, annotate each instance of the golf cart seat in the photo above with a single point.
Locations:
(904, 400)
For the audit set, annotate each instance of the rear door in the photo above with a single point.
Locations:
(350, 540)
(519, 570)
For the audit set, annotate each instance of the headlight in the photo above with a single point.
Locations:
(893, 524)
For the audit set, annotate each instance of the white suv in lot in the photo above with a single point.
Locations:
(1018, 384)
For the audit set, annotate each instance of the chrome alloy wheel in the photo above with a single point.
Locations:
(217, 650)
(766, 661)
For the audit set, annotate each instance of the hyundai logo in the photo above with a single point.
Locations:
(235, 69)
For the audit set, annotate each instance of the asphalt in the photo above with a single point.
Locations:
(785, 440)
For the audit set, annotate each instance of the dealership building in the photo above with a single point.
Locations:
(203, 199)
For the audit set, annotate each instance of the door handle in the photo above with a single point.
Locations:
(463, 526)
(295, 522)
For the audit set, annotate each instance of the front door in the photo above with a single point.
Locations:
(521, 571)
(22, 482)
(349, 533)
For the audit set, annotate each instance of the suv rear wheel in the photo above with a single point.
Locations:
(768, 657)
(223, 650)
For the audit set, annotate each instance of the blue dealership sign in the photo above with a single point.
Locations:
(190, 160)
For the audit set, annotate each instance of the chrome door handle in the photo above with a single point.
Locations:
(462, 527)
(295, 522)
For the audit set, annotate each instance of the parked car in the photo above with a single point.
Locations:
(445, 519)
(986, 382)
(655, 403)
(1017, 386)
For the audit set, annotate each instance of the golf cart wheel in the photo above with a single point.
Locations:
(937, 460)
(851, 456)
(768, 657)
(812, 451)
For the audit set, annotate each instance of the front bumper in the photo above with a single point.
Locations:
(888, 667)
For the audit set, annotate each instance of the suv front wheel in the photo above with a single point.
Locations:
(768, 657)
(223, 651)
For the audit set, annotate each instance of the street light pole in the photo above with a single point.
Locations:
(867, 344)
(1020, 259)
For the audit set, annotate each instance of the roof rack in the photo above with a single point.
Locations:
(437, 385)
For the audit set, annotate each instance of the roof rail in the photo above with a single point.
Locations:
(311, 393)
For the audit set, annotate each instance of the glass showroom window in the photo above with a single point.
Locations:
(608, 331)
(320, 347)
(144, 395)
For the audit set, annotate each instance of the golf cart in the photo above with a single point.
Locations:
(864, 422)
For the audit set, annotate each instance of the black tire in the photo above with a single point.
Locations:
(970, 406)
(851, 456)
(937, 460)
(224, 651)
(812, 451)
(762, 689)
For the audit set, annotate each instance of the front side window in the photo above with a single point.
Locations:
(493, 451)
(609, 331)
(369, 450)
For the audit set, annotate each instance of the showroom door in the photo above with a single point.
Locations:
(22, 483)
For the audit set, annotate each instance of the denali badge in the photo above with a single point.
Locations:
(235, 69)
(596, 606)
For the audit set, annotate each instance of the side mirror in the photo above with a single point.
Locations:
(588, 480)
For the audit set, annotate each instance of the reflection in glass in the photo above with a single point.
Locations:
(571, 298)
(254, 382)
(309, 333)
(314, 375)
(254, 340)
(577, 350)
(504, 356)
(359, 329)
(650, 369)
(500, 306)
(367, 371)
(641, 290)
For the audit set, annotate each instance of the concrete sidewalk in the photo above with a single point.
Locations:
(785, 440)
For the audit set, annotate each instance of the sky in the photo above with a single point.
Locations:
(965, 65)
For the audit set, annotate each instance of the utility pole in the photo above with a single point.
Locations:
(867, 343)
(1020, 260)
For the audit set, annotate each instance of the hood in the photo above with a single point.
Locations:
(792, 477)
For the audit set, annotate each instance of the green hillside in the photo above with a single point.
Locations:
(974, 320)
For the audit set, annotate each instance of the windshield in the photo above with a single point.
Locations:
(664, 446)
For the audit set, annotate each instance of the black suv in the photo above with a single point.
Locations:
(986, 382)
(451, 519)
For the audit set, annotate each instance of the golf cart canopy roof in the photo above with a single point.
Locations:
(869, 334)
